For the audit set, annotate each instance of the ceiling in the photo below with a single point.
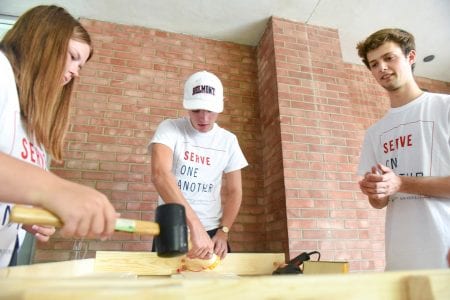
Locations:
(244, 21)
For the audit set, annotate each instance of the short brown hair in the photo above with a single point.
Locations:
(399, 36)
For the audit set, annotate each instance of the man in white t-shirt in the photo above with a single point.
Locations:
(405, 159)
(190, 157)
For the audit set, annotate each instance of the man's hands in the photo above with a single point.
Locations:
(379, 184)
(220, 243)
(203, 246)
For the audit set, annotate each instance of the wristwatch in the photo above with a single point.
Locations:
(224, 228)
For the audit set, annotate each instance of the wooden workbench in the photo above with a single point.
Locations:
(86, 279)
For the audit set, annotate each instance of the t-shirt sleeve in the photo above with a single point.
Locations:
(367, 158)
(9, 105)
(237, 159)
(5, 83)
(165, 134)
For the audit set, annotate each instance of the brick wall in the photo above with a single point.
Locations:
(298, 110)
(320, 140)
(275, 219)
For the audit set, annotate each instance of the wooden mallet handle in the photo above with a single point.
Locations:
(38, 216)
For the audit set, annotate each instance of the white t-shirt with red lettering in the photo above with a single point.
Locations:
(199, 161)
(414, 140)
(14, 141)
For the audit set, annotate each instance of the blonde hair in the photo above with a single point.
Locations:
(36, 47)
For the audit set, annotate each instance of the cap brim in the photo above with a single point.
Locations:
(194, 104)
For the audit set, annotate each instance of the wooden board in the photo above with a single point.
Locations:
(87, 288)
(204, 275)
(76, 280)
(325, 267)
(72, 268)
(419, 288)
(367, 286)
(148, 263)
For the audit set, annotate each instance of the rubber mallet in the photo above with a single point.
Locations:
(170, 228)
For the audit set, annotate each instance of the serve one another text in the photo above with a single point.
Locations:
(190, 171)
(32, 153)
(397, 143)
(191, 156)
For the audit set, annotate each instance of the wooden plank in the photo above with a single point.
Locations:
(419, 288)
(204, 275)
(325, 267)
(63, 269)
(367, 286)
(386, 286)
(88, 288)
(250, 263)
(139, 263)
(440, 286)
(148, 263)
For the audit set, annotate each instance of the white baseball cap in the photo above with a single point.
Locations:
(203, 90)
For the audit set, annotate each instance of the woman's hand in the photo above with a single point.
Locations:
(42, 233)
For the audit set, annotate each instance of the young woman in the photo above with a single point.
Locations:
(39, 58)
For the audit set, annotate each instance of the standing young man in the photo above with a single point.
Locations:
(405, 159)
(189, 158)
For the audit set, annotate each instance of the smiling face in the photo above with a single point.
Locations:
(390, 67)
(77, 55)
(202, 120)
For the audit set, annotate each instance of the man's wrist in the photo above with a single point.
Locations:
(224, 229)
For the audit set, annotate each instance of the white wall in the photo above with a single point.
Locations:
(6, 23)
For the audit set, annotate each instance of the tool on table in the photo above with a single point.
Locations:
(293, 266)
(170, 229)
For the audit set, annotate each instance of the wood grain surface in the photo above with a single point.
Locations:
(367, 286)
(148, 263)
(88, 279)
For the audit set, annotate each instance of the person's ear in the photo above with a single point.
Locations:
(411, 57)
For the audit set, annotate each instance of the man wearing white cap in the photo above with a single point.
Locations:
(190, 156)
